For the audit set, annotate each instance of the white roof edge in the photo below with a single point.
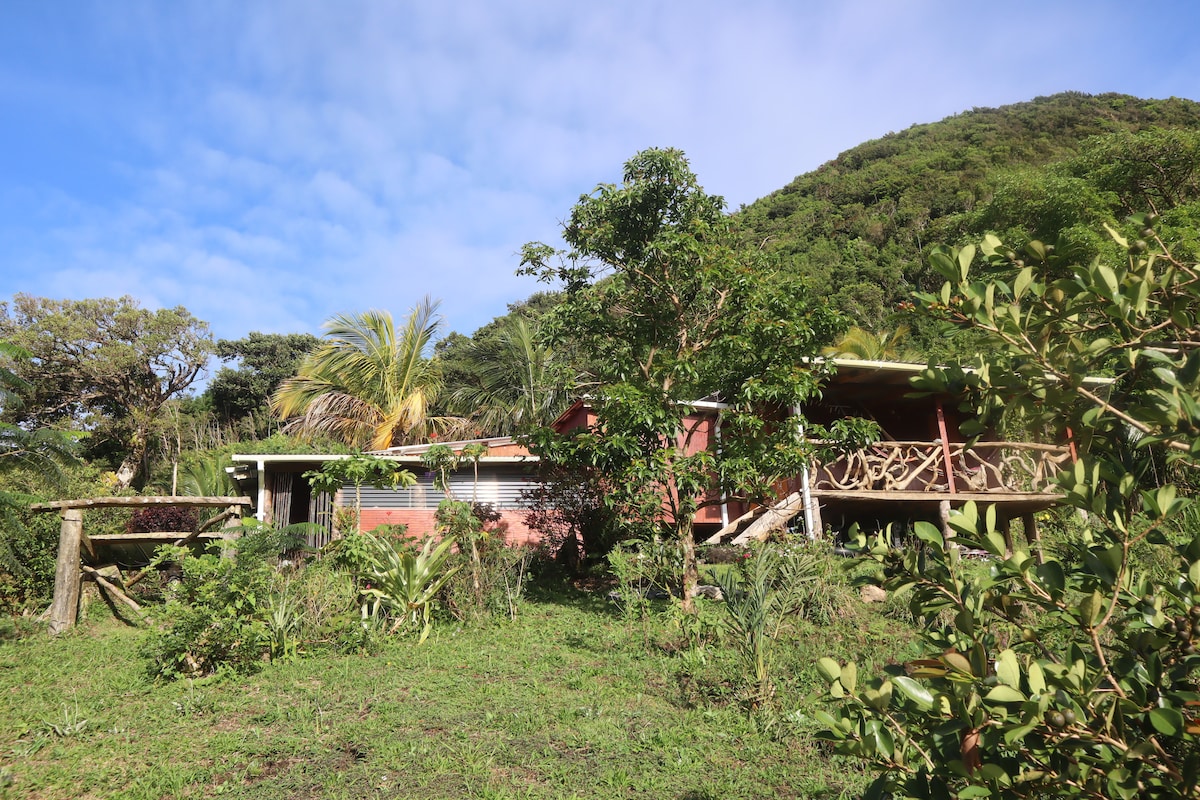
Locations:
(284, 458)
(909, 366)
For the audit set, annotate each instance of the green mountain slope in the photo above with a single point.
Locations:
(859, 225)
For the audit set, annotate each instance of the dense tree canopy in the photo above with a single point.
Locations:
(264, 360)
(104, 365)
(859, 227)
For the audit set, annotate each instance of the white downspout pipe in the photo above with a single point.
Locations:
(724, 499)
(805, 490)
(260, 512)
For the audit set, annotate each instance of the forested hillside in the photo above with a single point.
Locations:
(859, 226)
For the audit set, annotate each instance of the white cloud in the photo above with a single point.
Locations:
(268, 165)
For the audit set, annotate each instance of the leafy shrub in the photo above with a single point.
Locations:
(29, 544)
(643, 568)
(502, 576)
(354, 552)
(1073, 673)
(229, 610)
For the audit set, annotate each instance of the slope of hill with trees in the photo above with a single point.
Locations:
(860, 226)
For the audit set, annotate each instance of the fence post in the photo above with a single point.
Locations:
(65, 608)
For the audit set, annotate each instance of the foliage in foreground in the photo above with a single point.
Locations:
(232, 611)
(1073, 676)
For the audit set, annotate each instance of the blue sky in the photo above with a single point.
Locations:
(269, 164)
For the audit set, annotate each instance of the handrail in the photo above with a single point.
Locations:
(921, 466)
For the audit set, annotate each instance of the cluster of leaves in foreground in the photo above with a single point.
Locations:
(235, 610)
(1073, 676)
(227, 609)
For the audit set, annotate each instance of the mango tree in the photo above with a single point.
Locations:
(667, 307)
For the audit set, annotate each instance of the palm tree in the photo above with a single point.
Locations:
(862, 344)
(516, 382)
(367, 384)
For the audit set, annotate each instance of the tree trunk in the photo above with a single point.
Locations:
(127, 471)
(691, 574)
(131, 466)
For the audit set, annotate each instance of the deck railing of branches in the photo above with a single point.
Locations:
(892, 466)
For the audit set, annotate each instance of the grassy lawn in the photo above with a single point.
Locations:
(570, 700)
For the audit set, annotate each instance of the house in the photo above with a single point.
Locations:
(283, 497)
(919, 469)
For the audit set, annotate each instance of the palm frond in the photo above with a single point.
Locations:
(367, 384)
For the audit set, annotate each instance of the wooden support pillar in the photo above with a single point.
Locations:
(1032, 536)
(64, 610)
(944, 434)
(1006, 531)
(947, 531)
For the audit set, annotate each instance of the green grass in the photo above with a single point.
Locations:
(567, 701)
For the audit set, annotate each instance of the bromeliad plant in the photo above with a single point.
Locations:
(403, 584)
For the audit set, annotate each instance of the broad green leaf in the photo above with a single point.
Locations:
(957, 662)
(965, 256)
(1024, 277)
(1167, 721)
(1036, 678)
(1091, 608)
(1017, 734)
(830, 670)
(1116, 237)
(850, 676)
(1052, 577)
(1109, 279)
(914, 691)
(1004, 694)
(878, 699)
(1008, 669)
(928, 532)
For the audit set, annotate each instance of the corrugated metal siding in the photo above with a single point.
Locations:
(500, 489)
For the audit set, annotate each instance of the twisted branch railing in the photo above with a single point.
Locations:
(921, 467)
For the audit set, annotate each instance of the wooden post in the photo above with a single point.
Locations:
(64, 610)
(947, 531)
(949, 461)
(1006, 530)
(1032, 536)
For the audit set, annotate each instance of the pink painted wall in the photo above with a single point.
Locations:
(421, 523)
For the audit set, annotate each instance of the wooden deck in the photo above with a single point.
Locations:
(1013, 503)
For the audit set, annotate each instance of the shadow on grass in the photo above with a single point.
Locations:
(558, 591)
